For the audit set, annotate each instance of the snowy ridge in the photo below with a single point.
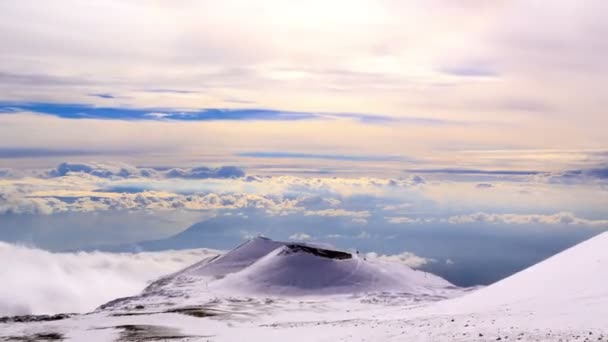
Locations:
(569, 289)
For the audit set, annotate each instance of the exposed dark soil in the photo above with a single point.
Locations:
(146, 333)
(195, 312)
(34, 318)
(51, 336)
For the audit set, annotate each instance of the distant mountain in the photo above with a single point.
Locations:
(206, 234)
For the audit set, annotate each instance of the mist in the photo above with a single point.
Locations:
(35, 281)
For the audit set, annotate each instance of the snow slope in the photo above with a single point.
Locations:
(569, 289)
(236, 259)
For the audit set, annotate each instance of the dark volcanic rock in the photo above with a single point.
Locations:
(320, 252)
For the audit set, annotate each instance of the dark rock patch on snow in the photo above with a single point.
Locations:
(320, 252)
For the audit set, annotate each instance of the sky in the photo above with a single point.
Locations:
(467, 135)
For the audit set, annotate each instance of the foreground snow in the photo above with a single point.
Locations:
(233, 298)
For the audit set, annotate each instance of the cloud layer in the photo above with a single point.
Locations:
(35, 281)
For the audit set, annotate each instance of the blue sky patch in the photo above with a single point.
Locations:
(86, 111)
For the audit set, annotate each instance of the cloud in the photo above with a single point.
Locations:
(591, 175)
(104, 95)
(206, 172)
(561, 218)
(338, 213)
(16, 203)
(5, 173)
(410, 259)
(296, 155)
(363, 235)
(476, 172)
(21, 203)
(401, 220)
(89, 187)
(484, 185)
(470, 70)
(125, 171)
(24, 152)
(396, 207)
(355, 65)
(300, 237)
(169, 91)
(97, 170)
(35, 281)
(359, 220)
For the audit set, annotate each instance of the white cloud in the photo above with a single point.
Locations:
(406, 258)
(401, 220)
(338, 213)
(396, 207)
(359, 220)
(40, 282)
(300, 237)
(562, 218)
(121, 170)
(96, 187)
(363, 235)
(86, 187)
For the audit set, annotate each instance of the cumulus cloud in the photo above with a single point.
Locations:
(104, 187)
(410, 259)
(101, 187)
(206, 172)
(98, 170)
(22, 202)
(119, 170)
(563, 218)
(35, 281)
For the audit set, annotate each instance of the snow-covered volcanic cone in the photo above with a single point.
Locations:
(262, 266)
(297, 269)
